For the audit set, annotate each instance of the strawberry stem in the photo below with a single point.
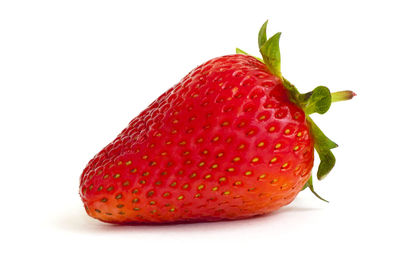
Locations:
(342, 95)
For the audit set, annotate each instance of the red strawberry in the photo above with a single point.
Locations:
(231, 140)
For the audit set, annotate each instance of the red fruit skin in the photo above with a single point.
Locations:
(224, 143)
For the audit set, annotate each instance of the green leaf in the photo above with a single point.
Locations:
(293, 92)
(310, 185)
(239, 51)
(323, 146)
(327, 163)
(317, 101)
(323, 141)
(262, 35)
(271, 55)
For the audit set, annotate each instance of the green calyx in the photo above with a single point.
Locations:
(318, 101)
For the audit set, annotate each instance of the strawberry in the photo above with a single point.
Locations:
(232, 139)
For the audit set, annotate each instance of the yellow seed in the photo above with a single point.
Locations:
(287, 131)
(220, 154)
(201, 164)
(207, 176)
(117, 175)
(262, 176)
(146, 173)
(284, 165)
(216, 138)
(214, 166)
(166, 194)
(299, 134)
(241, 146)
(152, 145)
(136, 208)
(126, 183)
(119, 196)
(173, 184)
(152, 202)
(158, 134)
(186, 153)
(273, 181)
(90, 187)
(238, 183)
(278, 145)
(197, 195)
(205, 152)
(145, 157)
(236, 159)
(119, 163)
(134, 170)
(175, 121)
(164, 153)
(185, 186)
(110, 188)
(256, 159)
(231, 169)
(200, 140)
(142, 182)
(222, 179)
(261, 144)
(215, 188)
(224, 124)
(182, 143)
(296, 148)
(251, 132)
(100, 188)
(172, 209)
(271, 129)
(248, 173)
(135, 200)
(262, 117)
(227, 192)
(174, 131)
(168, 142)
(273, 159)
(193, 175)
(135, 191)
(128, 162)
(200, 187)
(106, 176)
(180, 197)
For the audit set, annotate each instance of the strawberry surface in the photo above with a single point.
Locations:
(224, 143)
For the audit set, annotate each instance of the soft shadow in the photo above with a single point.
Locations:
(77, 221)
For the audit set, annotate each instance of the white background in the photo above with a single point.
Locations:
(74, 73)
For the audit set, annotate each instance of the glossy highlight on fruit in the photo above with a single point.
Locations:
(230, 140)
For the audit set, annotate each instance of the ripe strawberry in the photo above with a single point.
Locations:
(232, 139)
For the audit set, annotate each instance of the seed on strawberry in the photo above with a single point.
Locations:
(232, 139)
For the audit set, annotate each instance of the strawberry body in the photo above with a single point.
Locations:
(226, 142)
